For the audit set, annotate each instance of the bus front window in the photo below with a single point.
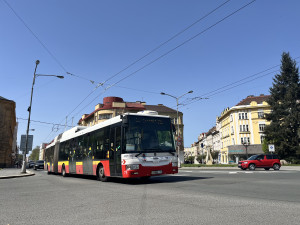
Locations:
(148, 134)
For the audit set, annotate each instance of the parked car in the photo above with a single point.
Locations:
(31, 164)
(261, 161)
(39, 164)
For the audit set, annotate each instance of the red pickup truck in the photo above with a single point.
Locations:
(261, 161)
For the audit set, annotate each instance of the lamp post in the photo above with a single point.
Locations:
(246, 144)
(29, 110)
(177, 104)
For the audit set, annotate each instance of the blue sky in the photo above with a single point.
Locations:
(96, 39)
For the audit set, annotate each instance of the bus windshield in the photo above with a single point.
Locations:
(148, 134)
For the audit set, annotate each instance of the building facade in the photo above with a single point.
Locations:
(114, 106)
(8, 133)
(242, 129)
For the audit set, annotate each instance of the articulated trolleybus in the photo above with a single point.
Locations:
(128, 146)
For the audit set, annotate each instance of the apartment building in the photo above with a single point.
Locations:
(241, 129)
(8, 133)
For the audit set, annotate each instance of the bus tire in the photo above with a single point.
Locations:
(101, 174)
(48, 171)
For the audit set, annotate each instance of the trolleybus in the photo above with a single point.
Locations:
(128, 146)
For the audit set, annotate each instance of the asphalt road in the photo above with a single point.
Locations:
(190, 197)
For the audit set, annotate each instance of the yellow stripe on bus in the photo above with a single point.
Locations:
(96, 162)
(78, 163)
(63, 162)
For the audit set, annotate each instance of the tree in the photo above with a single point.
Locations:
(35, 154)
(283, 130)
(265, 146)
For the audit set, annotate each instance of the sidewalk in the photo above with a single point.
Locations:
(282, 168)
(6, 173)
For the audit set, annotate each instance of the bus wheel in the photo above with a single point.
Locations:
(101, 174)
(48, 171)
(63, 172)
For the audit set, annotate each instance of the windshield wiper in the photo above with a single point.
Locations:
(138, 154)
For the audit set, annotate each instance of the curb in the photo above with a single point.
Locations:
(17, 176)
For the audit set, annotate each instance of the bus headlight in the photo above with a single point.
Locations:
(132, 167)
(174, 164)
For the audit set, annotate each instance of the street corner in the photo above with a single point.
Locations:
(8, 173)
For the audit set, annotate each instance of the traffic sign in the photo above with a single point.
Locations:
(23, 143)
(271, 148)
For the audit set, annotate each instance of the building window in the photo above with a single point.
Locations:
(174, 120)
(243, 116)
(262, 127)
(232, 130)
(105, 116)
(244, 128)
(233, 141)
(231, 118)
(260, 114)
(245, 140)
(262, 138)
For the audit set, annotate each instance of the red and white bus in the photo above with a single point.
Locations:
(128, 146)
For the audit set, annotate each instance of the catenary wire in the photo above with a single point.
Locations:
(167, 41)
(173, 49)
(168, 52)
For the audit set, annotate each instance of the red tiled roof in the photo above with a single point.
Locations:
(250, 98)
(160, 108)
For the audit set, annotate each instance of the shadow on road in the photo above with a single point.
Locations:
(157, 180)
(137, 181)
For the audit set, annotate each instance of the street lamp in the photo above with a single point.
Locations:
(246, 144)
(29, 110)
(177, 104)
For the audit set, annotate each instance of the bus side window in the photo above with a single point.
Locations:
(90, 145)
(78, 150)
(61, 151)
(98, 144)
(67, 149)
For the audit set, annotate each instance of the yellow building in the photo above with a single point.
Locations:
(242, 129)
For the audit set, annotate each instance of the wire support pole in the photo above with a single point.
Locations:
(28, 123)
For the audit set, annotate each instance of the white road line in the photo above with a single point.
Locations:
(233, 172)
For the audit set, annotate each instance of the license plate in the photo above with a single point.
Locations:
(156, 172)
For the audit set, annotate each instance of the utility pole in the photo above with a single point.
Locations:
(177, 104)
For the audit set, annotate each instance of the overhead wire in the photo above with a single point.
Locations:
(144, 56)
(167, 41)
(163, 55)
(173, 49)
(229, 86)
(43, 44)
(48, 123)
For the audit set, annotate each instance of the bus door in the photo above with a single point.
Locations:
(87, 157)
(55, 157)
(115, 151)
(72, 157)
